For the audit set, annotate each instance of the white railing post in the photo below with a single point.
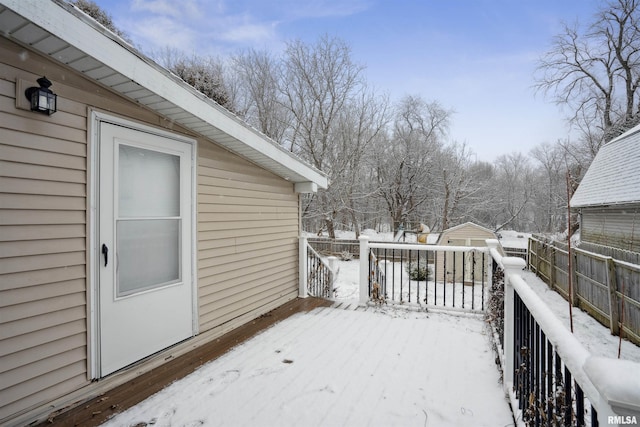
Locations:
(617, 382)
(302, 267)
(512, 266)
(333, 266)
(364, 270)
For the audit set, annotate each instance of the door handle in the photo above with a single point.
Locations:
(105, 252)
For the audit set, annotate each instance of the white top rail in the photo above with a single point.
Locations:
(493, 244)
(571, 351)
(422, 247)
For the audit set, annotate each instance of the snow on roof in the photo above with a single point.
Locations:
(614, 176)
(467, 224)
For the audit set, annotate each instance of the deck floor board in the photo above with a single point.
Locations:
(97, 410)
(333, 366)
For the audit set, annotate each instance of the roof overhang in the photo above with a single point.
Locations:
(61, 32)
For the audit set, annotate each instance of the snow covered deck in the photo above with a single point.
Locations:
(343, 366)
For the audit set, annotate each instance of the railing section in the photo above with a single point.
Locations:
(543, 383)
(319, 277)
(548, 374)
(452, 277)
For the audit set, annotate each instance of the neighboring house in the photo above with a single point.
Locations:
(471, 267)
(608, 198)
(139, 216)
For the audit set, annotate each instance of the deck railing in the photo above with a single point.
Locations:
(551, 379)
(317, 275)
(450, 277)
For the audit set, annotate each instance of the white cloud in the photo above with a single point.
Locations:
(156, 32)
(325, 8)
(249, 33)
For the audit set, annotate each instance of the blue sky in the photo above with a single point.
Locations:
(476, 57)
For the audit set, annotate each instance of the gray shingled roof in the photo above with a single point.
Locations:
(614, 176)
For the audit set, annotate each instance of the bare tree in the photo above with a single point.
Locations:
(512, 180)
(406, 165)
(550, 197)
(596, 72)
(361, 124)
(317, 85)
(459, 187)
(257, 95)
(205, 73)
(103, 17)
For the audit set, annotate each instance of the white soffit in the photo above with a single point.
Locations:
(59, 31)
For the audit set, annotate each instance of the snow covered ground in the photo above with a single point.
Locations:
(595, 337)
(347, 289)
(513, 239)
(337, 367)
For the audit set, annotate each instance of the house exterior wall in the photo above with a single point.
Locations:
(463, 235)
(247, 239)
(43, 237)
(617, 227)
(247, 224)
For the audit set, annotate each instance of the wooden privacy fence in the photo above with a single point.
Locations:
(328, 246)
(605, 287)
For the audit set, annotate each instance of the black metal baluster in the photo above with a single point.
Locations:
(370, 271)
(401, 265)
(408, 274)
(386, 263)
(542, 395)
(527, 357)
(568, 400)
(550, 381)
(453, 293)
(517, 345)
(393, 275)
(444, 279)
(558, 414)
(435, 279)
(418, 282)
(473, 280)
(579, 406)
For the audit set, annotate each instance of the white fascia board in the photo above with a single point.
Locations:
(56, 20)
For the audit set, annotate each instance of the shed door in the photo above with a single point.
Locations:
(145, 287)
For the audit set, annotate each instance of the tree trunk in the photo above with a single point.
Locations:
(330, 228)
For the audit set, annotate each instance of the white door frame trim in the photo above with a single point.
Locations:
(93, 256)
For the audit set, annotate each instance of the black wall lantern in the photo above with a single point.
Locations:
(42, 99)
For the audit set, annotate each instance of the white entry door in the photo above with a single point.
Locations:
(145, 285)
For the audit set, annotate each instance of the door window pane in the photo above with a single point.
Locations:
(148, 254)
(149, 183)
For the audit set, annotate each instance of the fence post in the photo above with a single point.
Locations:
(612, 284)
(552, 268)
(364, 269)
(303, 274)
(512, 265)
